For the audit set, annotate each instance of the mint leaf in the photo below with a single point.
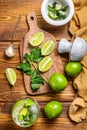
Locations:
(51, 9)
(24, 66)
(36, 54)
(37, 79)
(28, 57)
(35, 87)
(30, 72)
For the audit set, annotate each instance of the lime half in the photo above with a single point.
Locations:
(45, 64)
(47, 48)
(37, 39)
(11, 76)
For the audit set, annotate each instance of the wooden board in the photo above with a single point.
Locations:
(57, 66)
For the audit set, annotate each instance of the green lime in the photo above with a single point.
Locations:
(36, 39)
(58, 82)
(73, 68)
(11, 76)
(45, 64)
(53, 109)
(47, 48)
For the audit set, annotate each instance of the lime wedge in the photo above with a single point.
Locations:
(11, 76)
(47, 48)
(52, 15)
(45, 64)
(36, 39)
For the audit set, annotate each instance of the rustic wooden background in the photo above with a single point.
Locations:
(9, 11)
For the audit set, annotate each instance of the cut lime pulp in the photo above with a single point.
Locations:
(45, 64)
(37, 39)
(47, 48)
(11, 76)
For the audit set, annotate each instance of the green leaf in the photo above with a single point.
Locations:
(34, 74)
(51, 9)
(24, 66)
(28, 57)
(30, 72)
(36, 54)
(35, 87)
(26, 117)
(37, 79)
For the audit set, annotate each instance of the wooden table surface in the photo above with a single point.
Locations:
(9, 11)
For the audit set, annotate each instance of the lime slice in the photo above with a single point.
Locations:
(17, 107)
(11, 76)
(45, 64)
(47, 48)
(36, 39)
(18, 104)
(52, 15)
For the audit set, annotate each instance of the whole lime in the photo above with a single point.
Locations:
(73, 68)
(58, 82)
(53, 109)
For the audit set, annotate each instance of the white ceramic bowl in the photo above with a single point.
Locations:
(44, 12)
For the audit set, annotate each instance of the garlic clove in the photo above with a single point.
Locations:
(9, 51)
(64, 46)
(79, 49)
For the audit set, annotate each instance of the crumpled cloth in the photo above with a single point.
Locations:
(78, 109)
(78, 24)
(78, 27)
(80, 82)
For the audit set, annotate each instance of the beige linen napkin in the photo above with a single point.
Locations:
(78, 27)
(78, 24)
(78, 108)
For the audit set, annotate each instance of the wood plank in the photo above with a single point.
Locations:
(62, 122)
(9, 11)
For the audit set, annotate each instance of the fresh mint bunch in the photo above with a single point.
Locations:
(29, 68)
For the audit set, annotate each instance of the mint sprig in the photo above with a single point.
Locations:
(29, 67)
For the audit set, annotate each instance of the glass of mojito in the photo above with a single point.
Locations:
(25, 112)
